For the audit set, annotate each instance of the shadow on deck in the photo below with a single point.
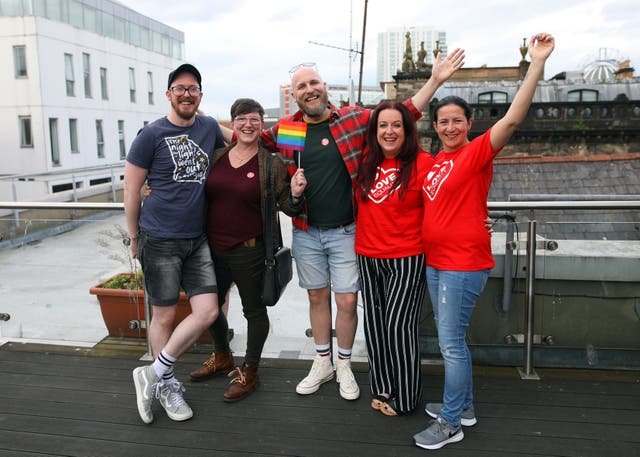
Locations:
(61, 401)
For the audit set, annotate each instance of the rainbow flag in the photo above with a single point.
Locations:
(291, 135)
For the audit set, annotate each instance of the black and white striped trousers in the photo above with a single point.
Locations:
(392, 292)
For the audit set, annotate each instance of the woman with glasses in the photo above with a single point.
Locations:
(236, 216)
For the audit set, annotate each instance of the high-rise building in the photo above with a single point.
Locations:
(392, 44)
(80, 79)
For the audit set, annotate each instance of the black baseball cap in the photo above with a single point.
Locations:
(184, 68)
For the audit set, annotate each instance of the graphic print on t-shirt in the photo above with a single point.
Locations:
(382, 185)
(436, 177)
(191, 163)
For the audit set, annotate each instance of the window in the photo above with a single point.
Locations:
(103, 84)
(68, 74)
(20, 61)
(26, 138)
(582, 95)
(492, 97)
(55, 145)
(150, 87)
(99, 139)
(73, 135)
(86, 72)
(123, 150)
(132, 85)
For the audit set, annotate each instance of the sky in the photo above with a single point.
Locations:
(245, 48)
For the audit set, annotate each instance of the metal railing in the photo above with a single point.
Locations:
(552, 202)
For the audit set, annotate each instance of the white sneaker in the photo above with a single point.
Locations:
(349, 389)
(170, 396)
(145, 380)
(321, 372)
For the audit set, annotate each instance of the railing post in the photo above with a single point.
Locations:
(16, 212)
(147, 324)
(528, 372)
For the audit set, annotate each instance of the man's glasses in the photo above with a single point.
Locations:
(254, 121)
(180, 90)
(302, 65)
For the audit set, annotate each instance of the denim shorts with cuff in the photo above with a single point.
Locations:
(170, 264)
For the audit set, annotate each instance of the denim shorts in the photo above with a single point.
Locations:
(170, 264)
(326, 257)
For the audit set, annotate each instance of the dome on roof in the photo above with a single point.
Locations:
(602, 66)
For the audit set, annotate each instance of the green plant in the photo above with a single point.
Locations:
(125, 281)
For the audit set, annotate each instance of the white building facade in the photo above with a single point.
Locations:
(392, 44)
(81, 78)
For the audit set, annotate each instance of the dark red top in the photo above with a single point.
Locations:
(233, 195)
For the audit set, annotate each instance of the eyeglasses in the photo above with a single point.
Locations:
(302, 65)
(180, 90)
(255, 121)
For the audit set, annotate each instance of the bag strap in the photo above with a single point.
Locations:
(269, 229)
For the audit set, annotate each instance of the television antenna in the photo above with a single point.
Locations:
(352, 52)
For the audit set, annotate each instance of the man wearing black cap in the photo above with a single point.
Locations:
(167, 235)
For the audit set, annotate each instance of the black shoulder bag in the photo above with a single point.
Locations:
(278, 265)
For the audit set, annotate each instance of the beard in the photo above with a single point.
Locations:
(186, 112)
(319, 110)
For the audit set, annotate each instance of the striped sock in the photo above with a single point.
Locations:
(323, 350)
(344, 354)
(163, 363)
(169, 375)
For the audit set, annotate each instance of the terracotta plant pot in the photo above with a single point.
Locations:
(120, 307)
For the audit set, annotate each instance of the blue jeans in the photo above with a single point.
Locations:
(453, 295)
(326, 257)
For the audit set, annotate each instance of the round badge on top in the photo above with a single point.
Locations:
(325, 142)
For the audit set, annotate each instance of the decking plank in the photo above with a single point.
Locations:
(56, 402)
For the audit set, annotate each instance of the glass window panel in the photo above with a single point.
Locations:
(90, 19)
(108, 26)
(123, 151)
(55, 145)
(99, 139)
(73, 135)
(150, 87)
(26, 138)
(86, 71)
(119, 25)
(20, 61)
(68, 73)
(11, 7)
(132, 85)
(103, 84)
(75, 14)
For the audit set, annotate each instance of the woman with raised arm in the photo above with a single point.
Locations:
(458, 248)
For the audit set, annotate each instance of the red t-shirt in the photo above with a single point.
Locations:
(386, 225)
(455, 206)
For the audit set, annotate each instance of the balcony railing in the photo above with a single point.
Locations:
(550, 301)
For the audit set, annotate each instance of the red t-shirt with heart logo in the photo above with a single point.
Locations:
(387, 226)
(455, 206)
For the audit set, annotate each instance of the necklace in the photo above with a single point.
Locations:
(236, 156)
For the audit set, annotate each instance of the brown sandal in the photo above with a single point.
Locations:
(389, 408)
(378, 402)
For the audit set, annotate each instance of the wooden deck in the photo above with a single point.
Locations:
(57, 401)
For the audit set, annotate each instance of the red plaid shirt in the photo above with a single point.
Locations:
(348, 127)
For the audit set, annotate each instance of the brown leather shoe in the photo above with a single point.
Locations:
(220, 363)
(246, 380)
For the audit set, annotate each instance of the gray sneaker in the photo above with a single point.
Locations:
(438, 434)
(146, 381)
(467, 418)
(170, 396)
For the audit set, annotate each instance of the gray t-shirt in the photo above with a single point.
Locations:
(178, 161)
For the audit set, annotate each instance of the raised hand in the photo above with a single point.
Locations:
(443, 68)
(540, 46)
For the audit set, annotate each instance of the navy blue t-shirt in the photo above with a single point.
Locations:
(178, 160)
